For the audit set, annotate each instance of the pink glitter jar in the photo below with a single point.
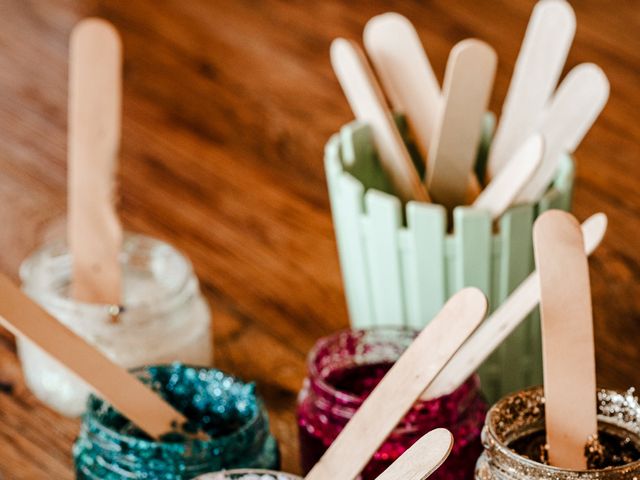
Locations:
(344, 368)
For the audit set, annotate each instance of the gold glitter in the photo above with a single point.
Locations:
(594, 451)
(522, 414)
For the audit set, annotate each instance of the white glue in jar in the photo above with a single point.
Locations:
(163, 316)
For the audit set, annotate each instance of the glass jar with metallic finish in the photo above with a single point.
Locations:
(344, 368)
(521, 415)
(249, 475)
(110, 447)
(163, 316)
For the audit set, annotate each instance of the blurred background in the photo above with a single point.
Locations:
(227, 107)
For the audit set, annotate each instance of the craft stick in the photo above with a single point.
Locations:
(473, 189)
(568, 352)
(540, 62)
(401, 387)
(572, 111)
(467, 88)
(368, 105)
(94, 232)
(127, 394)
(502, 191)
(495, 329)
(422, 459)
(399, 59)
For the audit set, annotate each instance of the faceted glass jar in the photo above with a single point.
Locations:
(163, 316)
(249, 475)
(345, 367)
(109, 447)
(522, 413)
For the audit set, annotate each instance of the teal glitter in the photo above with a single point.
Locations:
(110, 447)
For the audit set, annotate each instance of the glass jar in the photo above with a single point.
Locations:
(109, 447)
(163, 317)
(522, 414)
(342, 371)
(249, 475)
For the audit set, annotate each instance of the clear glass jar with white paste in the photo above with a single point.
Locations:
(163, 316)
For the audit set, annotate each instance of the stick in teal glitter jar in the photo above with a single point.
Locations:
(110, 447)
(194, 419)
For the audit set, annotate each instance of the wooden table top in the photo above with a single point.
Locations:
(227, 106)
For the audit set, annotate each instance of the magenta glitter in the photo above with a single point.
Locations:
(346, 367)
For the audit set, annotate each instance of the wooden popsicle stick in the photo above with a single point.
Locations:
(568, 353)
(540, 62)
(114, 384)
(502, 191)
(467, 88)
(401, 387)
(94, 232)
(422, 459)
(399, 59)
(572, 111)
(474, 189)
(368, 104)
(495, 329)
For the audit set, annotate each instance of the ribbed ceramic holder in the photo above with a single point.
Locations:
(399, 265)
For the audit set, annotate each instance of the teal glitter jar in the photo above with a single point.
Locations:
(110, 447)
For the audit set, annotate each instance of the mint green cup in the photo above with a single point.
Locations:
(401, 263)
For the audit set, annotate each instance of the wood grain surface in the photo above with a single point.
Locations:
(227, 106)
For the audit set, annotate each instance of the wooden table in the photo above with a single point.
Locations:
(227, 106)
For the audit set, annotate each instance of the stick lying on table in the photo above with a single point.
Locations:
(368, 104)
(94, 232)
(503, 321)
(114, 384)
(401, 387)
(422, 459)
(568, 350)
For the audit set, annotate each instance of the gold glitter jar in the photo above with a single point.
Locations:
(521, 415)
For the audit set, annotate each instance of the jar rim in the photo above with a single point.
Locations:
(253, 422)
(319, 382)
(246, 471)
(315, 374)
(132, 241)
(503, 449)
